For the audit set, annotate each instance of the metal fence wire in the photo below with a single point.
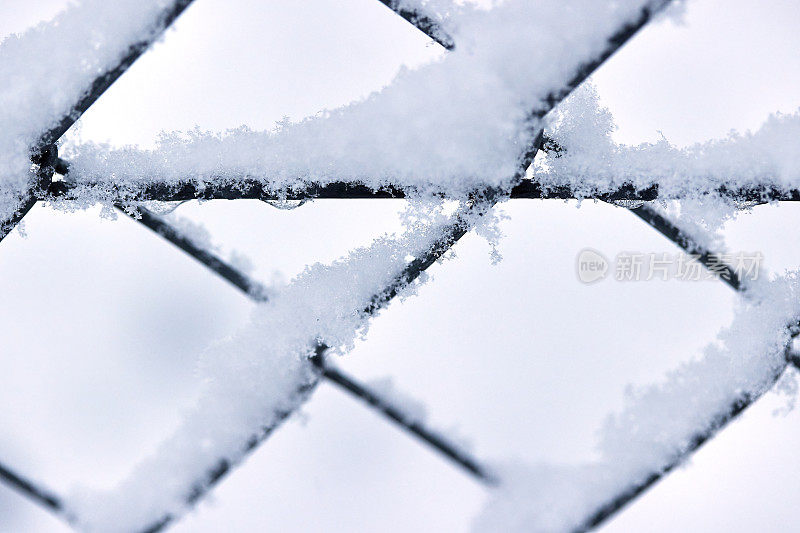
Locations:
(45, 187)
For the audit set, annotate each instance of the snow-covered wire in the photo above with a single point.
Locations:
(475, 111)
(52, 78)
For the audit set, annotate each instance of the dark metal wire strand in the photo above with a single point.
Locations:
(31, 489)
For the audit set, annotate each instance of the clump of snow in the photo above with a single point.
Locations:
(592, 161)
(46, 70)
(454, 125)
(659, 423)
(703, 219)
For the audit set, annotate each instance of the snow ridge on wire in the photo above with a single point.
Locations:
(589, 160)
(456, 125)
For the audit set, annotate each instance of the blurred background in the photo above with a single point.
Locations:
(102, 321)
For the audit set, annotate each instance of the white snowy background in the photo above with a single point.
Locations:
(101, 321)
